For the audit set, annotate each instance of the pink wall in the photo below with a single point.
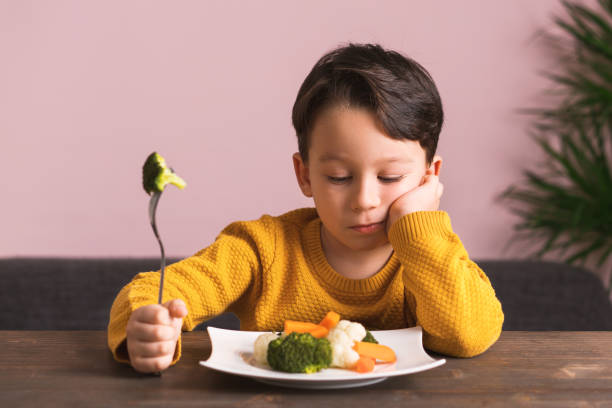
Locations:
(88, 89)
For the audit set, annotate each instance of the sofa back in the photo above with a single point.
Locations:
(77, 294)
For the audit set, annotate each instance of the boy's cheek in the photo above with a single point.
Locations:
(405, 187)
(410, 184)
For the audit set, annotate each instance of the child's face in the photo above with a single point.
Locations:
(354, 173)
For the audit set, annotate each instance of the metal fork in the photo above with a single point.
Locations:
(152, 209)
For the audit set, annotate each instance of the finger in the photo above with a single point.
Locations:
(151, 364)
(176, 308)
(146, 332)
(157, 349)
(154, 314)
(178, 325)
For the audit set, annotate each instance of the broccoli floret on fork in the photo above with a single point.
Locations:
(156, 175)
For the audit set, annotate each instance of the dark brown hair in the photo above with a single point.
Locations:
(397, 89)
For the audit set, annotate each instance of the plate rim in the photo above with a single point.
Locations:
(310, 380)
(322, 385)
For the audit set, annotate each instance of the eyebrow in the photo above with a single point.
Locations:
(327, 157)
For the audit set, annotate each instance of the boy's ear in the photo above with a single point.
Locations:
(302, 174)
(434, 167)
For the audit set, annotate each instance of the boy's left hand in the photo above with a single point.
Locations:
(425, 197)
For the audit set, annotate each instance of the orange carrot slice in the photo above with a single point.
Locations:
(297, 326)
(365, 365)
(330, 320)
(376, 351)
(319, 331)
(305, 327)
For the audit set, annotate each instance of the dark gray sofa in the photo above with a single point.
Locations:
(76, 294)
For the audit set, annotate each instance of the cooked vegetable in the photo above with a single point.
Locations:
(330, 320)
(299, 353)
(306, 347)
(156, 174)
(365, 365)
(342, 338)
(373, 350)
(319, 332)
(260, 351)
(354, 330)
(369, 338)
(305, 327)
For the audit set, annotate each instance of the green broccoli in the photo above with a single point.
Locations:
(155, 175)
(299, 353)
(369, 338)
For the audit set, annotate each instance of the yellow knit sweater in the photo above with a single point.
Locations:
(274, 268)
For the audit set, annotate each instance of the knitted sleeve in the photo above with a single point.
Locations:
(455, 303)
(208, 282)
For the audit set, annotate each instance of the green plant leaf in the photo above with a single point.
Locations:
(565, 207)
(594, 18)
(605, 255)
(586, 251)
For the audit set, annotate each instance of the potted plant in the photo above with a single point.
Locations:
(566, 206)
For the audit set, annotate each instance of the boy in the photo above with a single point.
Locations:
(375, 248)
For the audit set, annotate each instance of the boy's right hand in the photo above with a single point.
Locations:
(152, 334)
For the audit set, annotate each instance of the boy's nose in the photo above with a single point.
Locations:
(366, 196)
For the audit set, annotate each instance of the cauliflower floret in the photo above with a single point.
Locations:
(343, 356)
(342, 338)
(354, 330)
(260, 351)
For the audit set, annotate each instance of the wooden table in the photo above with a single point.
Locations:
(75, 369)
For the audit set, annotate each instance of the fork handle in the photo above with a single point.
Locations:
(162, 266)
(152, 210)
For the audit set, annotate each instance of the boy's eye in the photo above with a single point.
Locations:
(383, 179)
(338, 180)
(391, 179)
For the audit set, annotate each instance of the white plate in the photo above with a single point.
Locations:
(232, 352)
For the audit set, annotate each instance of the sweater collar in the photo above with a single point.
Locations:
(335, 282)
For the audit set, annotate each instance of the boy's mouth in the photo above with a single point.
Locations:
(368, 228)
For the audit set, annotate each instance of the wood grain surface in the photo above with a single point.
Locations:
(76, 369)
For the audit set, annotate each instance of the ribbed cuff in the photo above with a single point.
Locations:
(120, 352)
(420, 224)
